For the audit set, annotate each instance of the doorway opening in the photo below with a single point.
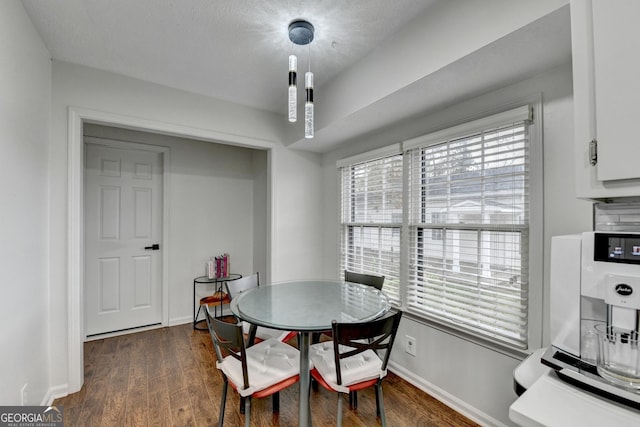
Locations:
(75, 256)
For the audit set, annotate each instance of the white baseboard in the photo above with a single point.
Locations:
(172, 322)
(53, 393)
(180, 320)
(125, 332)
(447, 398)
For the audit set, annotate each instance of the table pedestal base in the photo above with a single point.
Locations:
(304, 414)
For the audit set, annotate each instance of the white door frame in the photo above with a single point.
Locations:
(75, 215)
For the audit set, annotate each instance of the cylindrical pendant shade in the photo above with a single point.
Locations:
(293, 102)
(293, 105)
(308, 80)
(308, 120)
(308, 106)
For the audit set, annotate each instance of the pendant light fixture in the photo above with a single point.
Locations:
(301, 33)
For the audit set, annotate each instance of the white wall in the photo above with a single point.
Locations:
(25, 101)
(211, 209)
(297, 220)
(474, 379)
(260, 217)
(447, 32)
(290, 253)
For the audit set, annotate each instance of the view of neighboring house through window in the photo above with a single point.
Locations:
(466, 262)
(436, 233)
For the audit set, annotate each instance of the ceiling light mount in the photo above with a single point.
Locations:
(301, 32)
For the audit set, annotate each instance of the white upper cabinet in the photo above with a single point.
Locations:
(606, 82)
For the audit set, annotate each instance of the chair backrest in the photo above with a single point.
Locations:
(378, 334)
(228, 337)
(236, 287)
(365, 279)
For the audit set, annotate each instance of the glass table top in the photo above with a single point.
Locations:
(207, 279)
(309, 305)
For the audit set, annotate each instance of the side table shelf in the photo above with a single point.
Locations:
(218, 298)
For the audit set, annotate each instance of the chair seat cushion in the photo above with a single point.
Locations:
(215, 299)
(354, 369)
(268, 362)
(263, 333)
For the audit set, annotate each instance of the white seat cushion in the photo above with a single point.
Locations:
(354, 369)
(268, 362)
(265, 333)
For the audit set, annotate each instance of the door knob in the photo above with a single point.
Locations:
(153, 247)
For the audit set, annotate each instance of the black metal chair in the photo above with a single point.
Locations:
(351, 361)
(244, 368)
(253, 333)
(365, 279)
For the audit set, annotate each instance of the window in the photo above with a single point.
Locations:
(474, 276)
(372, 219)
(464, 261)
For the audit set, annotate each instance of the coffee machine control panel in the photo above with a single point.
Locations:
(616, 247)
(605, 256)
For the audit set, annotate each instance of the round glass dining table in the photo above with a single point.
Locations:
(308, 306)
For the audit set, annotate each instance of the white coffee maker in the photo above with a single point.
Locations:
(595, 313)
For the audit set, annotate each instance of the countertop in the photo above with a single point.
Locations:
(549, 401)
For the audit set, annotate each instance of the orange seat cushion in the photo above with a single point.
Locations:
(217, 298)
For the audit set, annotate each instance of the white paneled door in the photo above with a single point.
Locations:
(123, 226)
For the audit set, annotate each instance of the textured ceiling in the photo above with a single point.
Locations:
(235, 50)
(375, 62)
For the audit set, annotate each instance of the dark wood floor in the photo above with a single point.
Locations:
(167, 377)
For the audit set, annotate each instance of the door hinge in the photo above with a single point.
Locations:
(593, 152)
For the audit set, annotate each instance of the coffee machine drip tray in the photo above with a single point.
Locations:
(585, 376)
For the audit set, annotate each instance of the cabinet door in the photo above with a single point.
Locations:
(616, 58)
(609, 115)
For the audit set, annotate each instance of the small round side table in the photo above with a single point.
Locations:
(218, 298)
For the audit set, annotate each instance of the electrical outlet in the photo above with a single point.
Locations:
(410, 345)
(23, 395)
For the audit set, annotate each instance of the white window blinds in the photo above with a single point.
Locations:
(469, 230)
(371, 219)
